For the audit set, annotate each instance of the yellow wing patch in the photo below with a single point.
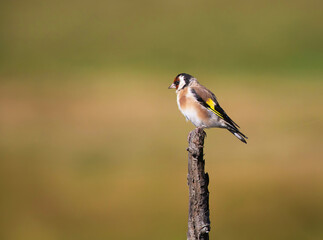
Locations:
(211, 104)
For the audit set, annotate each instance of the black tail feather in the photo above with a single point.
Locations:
(238, 134)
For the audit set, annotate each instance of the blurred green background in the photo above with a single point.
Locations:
(92, 145)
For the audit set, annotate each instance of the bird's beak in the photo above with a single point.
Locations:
(172, 86)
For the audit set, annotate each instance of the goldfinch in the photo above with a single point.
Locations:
(199, 105)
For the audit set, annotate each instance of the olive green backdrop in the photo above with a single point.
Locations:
(92, 145)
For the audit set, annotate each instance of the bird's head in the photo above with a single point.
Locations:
(181, 81)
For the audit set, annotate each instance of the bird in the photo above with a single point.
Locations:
(200, 106)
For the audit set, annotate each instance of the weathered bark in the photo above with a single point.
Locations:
(198, 181)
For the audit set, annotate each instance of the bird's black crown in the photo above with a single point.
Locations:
(186, 76)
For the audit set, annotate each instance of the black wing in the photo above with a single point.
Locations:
(209, 101)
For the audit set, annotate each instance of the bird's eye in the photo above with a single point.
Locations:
(176, 82)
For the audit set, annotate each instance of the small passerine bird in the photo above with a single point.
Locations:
(199, 105)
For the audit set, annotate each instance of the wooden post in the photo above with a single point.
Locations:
(198, 181)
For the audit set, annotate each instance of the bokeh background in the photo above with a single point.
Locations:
(92, 145)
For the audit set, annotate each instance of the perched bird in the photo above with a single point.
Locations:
(199, 105)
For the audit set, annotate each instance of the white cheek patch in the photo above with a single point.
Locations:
(181, 82)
